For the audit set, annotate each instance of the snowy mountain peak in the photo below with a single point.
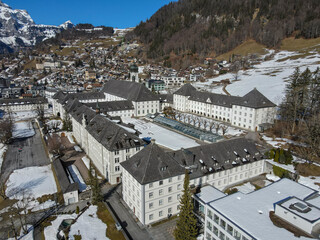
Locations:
(66, 25)
(18, 30)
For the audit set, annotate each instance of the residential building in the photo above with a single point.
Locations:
(155, 85)
(173, 80)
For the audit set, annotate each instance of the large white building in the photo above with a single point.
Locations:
(105, 142)
(251, 111)
(143, 100)
(249, 216)
(24, 104)
(152, 180)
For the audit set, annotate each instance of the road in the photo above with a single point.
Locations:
(32, 154)
(121, 214)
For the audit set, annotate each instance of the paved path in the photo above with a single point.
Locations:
(32, 154)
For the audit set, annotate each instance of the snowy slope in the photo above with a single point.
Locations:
(269, 77)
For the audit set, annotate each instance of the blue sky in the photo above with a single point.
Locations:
(114, 13)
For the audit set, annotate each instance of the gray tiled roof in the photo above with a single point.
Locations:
(106, 107)
(168, 98)
(185, 90)
(62, 177)
(133, 91)
(17, 101)
(152, 164)
(253, 99)
(110, 135)
(147, 165)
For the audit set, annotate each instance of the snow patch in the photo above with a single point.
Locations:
(23, 130)
(31, 181)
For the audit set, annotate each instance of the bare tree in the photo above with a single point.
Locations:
(217, 127)
(3, 190)
(211, 126)
(205, 123)
(188, 119)
(54, 144)
(194, 120)
(39, 110)
(6, 127)
(224, 129)
(199, 121)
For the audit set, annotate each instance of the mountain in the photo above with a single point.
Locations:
(212, 27)
(18, 30)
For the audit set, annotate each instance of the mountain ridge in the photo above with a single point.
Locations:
(18, 30)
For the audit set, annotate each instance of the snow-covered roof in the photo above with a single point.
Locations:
(209, 194)
(250, 212)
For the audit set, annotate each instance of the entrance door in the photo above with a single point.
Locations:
(118, 179)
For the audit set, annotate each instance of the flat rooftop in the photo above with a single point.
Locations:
(251, 211)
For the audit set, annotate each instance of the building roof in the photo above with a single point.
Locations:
(62, 177)
(253, 99)
(133, 91)
(106, 107)
(112, 136)
(166, 98)
(208, 194)
(250, 212)
(185, 90)
(23, 101)
(152, 164)
(145, 166)
(217, 156)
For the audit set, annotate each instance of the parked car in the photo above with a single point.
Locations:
(118, 226)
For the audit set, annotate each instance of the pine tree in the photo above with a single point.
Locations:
(276, 156)
(186, 228)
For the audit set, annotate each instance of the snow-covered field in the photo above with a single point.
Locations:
(51, 231)
(3, 149)
(162, 136)
(269, 77)
(32, 182)
(89, 226)
(18, 116)
(23, 130)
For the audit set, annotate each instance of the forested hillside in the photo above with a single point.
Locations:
(214, 27)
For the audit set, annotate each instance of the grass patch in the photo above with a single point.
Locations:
(306, 170)
(104, 215)
(77, 237)
(29, 65)
(295, 57)
(45, 198)
(164, 221)
(231, 190)
(248, 47)
(292, 44)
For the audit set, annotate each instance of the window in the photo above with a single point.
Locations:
(222, 236)
(216, 218)
(215, 230)
(223, 224)
(169, 199)
(160, 182)
(169, 210)
(127, 150)
(150, 194)
(150, 216)
(127, 157)
(150, 205)
(116, 160)
(116, 152)
(137, 148)
(237, 235)
(170, 189)
(209, 214)
(117, 168)
(161, 192)
(179, 186)
(150, 185)
(160, 202)
(209, 225)
(230, 229)
(170, 179)
(160, 213)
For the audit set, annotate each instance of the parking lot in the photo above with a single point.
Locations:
(25, 152)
